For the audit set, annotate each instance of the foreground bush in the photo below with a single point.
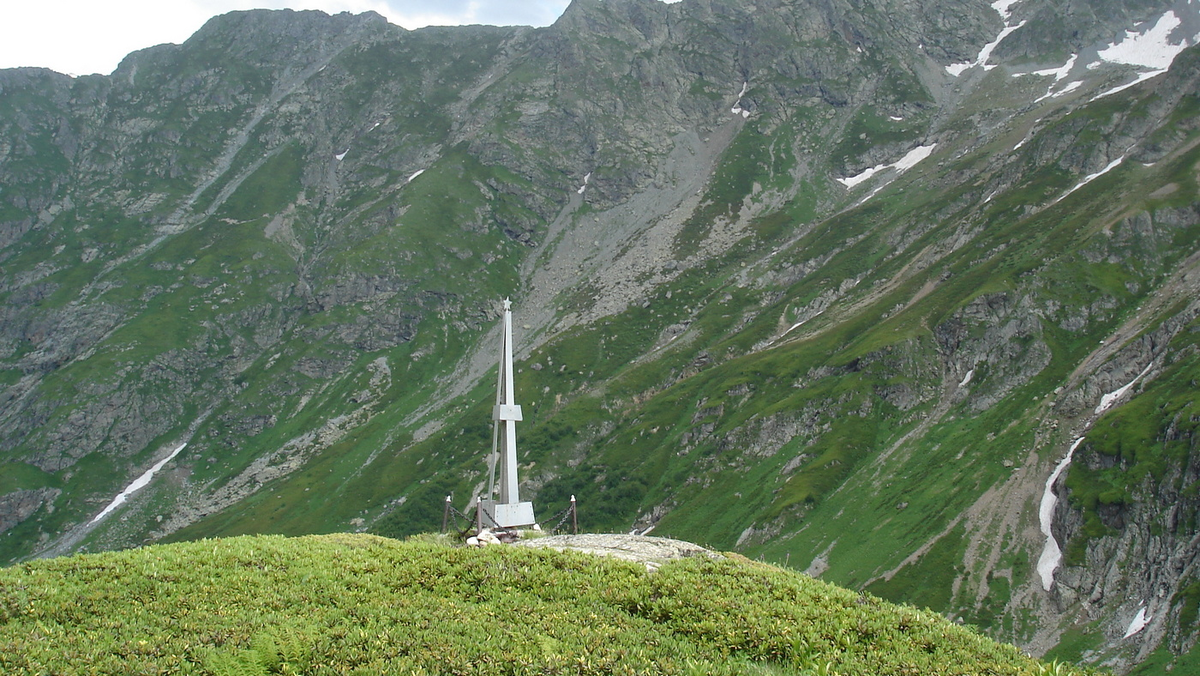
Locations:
(358, 604)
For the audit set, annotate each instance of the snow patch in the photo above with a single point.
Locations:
(1138, 623)
(851, 181)
(1071, 86)
(737, 107)
(1150, 49)
(415, 174)
(1004, 7)
(913, 157)
(1140, 78)
(967, 378)
(342, 155)
(797, 325)
(1059, 73)
(1027, 136)
(587, 177)
(1050, 93)
(986, 52)
(137, 485)
(871, 194)
(901, 165)
(1051, 553)
(895, 118)
(1091, 177)
(1111, 398)
(957, 69)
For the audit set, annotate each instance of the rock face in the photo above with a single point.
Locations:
(832, 284)
(18, 506)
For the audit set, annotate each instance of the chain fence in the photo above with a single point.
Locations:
(453, 518)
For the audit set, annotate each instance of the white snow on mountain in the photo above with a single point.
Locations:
(1051, 556)
(1153, 48)
(1089, 178)
(1138, 623)
(910, 160)
(1004, 8)
(137, 485)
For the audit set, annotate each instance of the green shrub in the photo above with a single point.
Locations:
(351, 604)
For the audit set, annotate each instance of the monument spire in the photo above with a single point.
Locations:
(508, 511)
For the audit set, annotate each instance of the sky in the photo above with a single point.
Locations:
(80, 37)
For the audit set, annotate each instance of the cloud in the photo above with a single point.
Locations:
(90, 37)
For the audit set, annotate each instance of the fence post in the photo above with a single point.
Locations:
(574, 517)
(446, 515)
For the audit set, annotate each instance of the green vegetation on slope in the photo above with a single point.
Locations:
(358, 604)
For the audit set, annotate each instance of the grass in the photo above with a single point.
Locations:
(269, 189)
(1163, 661)
(929, 581)
(18, 476)
(358, 604)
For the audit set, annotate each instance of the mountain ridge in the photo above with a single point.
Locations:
(787, 281)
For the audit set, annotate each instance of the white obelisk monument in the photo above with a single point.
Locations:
(508, 511)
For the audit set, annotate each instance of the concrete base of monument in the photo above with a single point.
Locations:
(507, 515)
(651, 551)
(502, 536)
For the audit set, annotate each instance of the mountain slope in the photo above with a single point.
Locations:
(834, 284)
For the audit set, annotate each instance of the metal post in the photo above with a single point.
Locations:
(574, 517)
(478, 514)
(446, 514)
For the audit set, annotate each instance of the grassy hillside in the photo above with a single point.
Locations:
(359, 604)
